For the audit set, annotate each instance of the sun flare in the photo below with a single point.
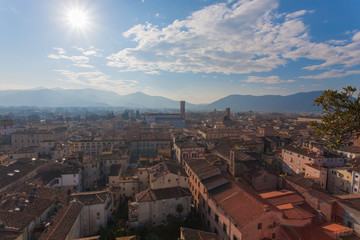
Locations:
(77, 18)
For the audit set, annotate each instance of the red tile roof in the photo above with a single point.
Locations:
(90, 198)
(63, 221)
(242, 206)
(193, 234)
(308, 232)
(150, 195)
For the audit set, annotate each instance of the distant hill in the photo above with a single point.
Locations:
(57, 97)
(299, 102)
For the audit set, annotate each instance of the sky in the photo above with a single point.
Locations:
(193, 50)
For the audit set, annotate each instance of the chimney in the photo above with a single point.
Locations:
(266, 208)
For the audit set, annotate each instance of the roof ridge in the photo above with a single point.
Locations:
(63, 216)
(99, 198)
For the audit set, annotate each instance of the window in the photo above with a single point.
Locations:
(273, 235)
(98, 215)
(216, 218)
(298, 162)
(224, 227)
(235, 238)
(259, 226)
(350, 224)
(209, 210)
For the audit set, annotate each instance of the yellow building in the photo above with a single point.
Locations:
(339, 180)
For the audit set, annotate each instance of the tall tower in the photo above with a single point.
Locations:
(182, 108)
(227, 112)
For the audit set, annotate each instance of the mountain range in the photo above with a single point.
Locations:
(57, 97)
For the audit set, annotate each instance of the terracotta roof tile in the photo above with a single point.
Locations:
(63, 221)
(163, 193)
(193, 234)
(90, 198)
(308, 232)
(202, 168)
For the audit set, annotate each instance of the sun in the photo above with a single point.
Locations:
(77, 18)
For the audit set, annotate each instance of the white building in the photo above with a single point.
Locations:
(153, 205)
(95, 212)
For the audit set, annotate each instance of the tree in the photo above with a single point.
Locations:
(110, 115)
(179, 209)
(138, 114)
(125, 115)
(341, 119)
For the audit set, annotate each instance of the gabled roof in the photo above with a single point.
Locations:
(63, 221)
(150, 195)
(239, 203)
(202, 168)
(299, 180)
(187, 142)
(308, 232)
(18, 210)
(169, 167)
(193, 234)
(91, 198)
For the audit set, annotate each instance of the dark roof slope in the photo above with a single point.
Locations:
(150, 195)
(169, 167)
(193, 234)
(90, 198)
(63, 221)
(202, 168)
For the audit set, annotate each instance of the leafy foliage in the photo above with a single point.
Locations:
(341, 119)
(179, 209)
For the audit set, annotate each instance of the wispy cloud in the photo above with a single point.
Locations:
(78, 60)
(240, 32)
(97, 79)
(266, 80)
(332, 74)
(91, 51)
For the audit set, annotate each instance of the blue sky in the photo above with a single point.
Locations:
(196, 50)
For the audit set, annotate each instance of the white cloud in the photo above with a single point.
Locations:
(92, 51)
(275, 88)
(296, 14)
(157, 15)
(245, 36)
(97, 79)
(332, 74)
(60, 50)
(266, 80)
(337, 42)
(356, 37)
(78, 60)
